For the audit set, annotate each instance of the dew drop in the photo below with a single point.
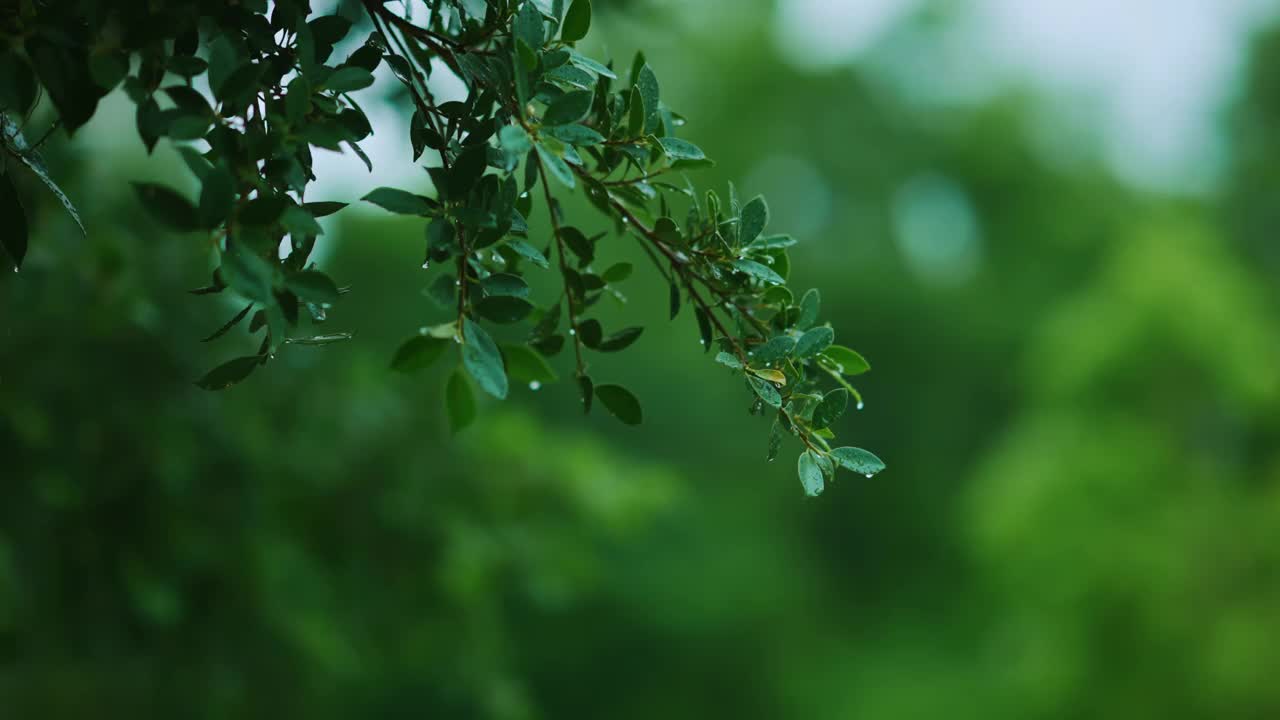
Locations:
(860, 405)
(457, 283)
(15, 268)
(868, 475)
(426, 264)
(572, 331)
(535, 385)
(424, 330)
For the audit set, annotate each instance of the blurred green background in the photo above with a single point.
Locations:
(1076, 388)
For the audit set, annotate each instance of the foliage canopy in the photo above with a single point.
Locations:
(250, 90)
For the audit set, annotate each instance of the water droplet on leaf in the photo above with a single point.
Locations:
(535, 385)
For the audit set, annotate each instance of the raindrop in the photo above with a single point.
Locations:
(424, 330)
(768, 259)
(426, 264)
(457, 283)
(535, 385)
(868, 475)
(572, 331)
(860, 405)
(15, 268)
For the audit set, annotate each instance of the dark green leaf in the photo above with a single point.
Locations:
(323, 209)
(579, 244)
(13, 238)
(587, 391)
(568, 108)
(247, 273)
(579, 135)
(401, 202)
(529, 252)
(525, 365)
(674, 300)
(773, 351)
(217, 196)
(617, 273)
(314, 287)
(18, 85)
(483, 360)
(167, 206)
(755, 216)
(831, 408)
(229, 373)
(459, 401)
(499, 284)
(704, 328)
(504, 309)
(620, 403)
(620, 340)
(577, 21)
(814, 342)
(348, 79)
(235, 320)
(647, 84)
(810, 304)
(418, 353)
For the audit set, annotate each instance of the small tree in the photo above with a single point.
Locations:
(539, 117)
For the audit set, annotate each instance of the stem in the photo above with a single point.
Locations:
(564, 268)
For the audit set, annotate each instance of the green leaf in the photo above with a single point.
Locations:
(846, 361)
(528, 26)
(814, 342)
(587, 391)
(348, 79)
(620, 403)
(14, 236)
(525, 365)
(504, 309)
(418, 353)
(18, 85)
(771, 242)
(579, 135)
(323, 209)
(617, 273)
(831, 408)
(235, 320)
(766, 391)
(528, 252)
(568, 108)
(673, 300)
(483, 360)
(247, 273)
(729, 360)
(505, 284)
(706, 335)
(167, 206)
(514, 139)
(400, 202)
(678, 149)
(758, 271)
(636, 114)
(620, 340)
(810, 473)
(647, 84)
(774, 350)
(314, 287)
(579, 244)
(229, 373)
(590, 65)
(217, 196)
(858, 460)
(755, 216)
(810, 304)
(554, 165)
(459, 401)
(577, 21)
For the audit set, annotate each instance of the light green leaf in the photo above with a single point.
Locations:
(858, 460)
(758, 271)
(514, 139)
(529, 252)
(846, 361)
(810, 473)
(555, 166)
(729, 360)
(678, 149)
(810, 304)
